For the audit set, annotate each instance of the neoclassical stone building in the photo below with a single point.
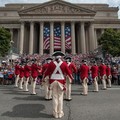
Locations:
(57, 25)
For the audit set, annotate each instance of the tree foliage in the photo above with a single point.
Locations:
(110, 41)
(5, 38)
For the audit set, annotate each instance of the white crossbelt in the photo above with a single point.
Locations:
(55, 75)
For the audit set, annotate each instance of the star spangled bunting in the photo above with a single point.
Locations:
(46, 43)
(67, 37)
(57, 38)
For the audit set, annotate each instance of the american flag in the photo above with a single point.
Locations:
(46, 43)
(67, 37)
(57, 38)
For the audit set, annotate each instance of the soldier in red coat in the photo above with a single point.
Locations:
(21, 75)
(48, 92)
(72, 69)
(34, 74)
(56, 71)
(84, 70)
(17, 72)
(102, 71)
(27, 72)
(94, 71)
(108, 74)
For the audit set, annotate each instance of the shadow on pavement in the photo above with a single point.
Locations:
(28, 111)
(32, 97)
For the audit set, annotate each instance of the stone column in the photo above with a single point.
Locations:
(91, 37)
(87, 40)
(11, 32)
(31, 38)
(73, 37)
(51, 37)
(41, 38)
(63, 37)
(96, 42)
(82, 34)
(18, 40)
(22, 27)
(102, 31)
(78, 40)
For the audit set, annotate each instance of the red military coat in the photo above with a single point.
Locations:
(102, 69)
(44, 68)
(63, 68)
(108, 71)
(39, 70)
(34, 70)
(84, 70)
(21, 72)
(27, 70)
(72, 67)
(17, 69)
(94, 71)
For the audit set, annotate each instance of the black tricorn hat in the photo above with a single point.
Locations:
(67, 57)
(58, 53)
(93, 61)
(49, 58)
(33, 60)
(84, 60)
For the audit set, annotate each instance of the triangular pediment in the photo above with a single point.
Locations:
(56, 7)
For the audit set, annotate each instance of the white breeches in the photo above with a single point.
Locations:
(85, 86)
(34, 85)
(68, 88)
(16, 80)
(26, 84)
(48, 91)
(109, 80)
(21, 83)
(104, 81)
(57, 98)
(96, 83)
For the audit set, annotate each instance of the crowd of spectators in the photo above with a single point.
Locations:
(7, 75)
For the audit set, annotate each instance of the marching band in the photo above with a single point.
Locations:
(56, 75)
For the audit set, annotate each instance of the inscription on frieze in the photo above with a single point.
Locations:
(56, 9)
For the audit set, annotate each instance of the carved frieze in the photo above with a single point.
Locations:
(56, 9)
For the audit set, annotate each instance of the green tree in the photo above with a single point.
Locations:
(110, 41)
(5, 38)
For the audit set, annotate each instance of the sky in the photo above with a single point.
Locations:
(112, 3)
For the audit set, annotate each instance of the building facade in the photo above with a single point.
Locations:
(57, 25)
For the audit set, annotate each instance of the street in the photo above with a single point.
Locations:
(18, 105)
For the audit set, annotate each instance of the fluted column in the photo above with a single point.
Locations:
(41, 38)
(96, 41)
(63, 37)
(87, 40)
(78, 40)
(21, 37)
(91, 37)
(18, 40)
(51, 37)
(31, 38)
(73, 37)
(82, 34)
